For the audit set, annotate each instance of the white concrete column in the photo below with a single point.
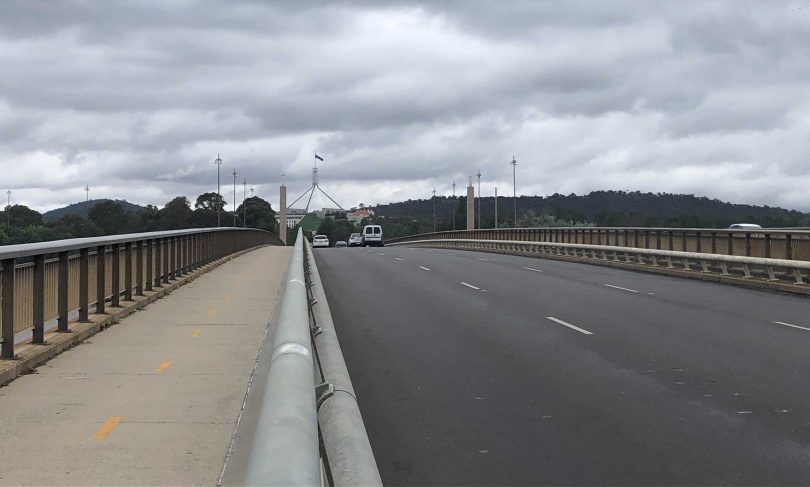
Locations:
(470, 207)
(282, 219)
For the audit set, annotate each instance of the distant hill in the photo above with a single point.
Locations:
(604, 208)
(83, 208)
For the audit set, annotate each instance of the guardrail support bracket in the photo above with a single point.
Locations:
(323, 391)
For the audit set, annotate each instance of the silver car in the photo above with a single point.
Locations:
(355, 240)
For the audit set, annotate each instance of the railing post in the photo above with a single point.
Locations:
(84, 285)
(101, 278)
(698, 247)
(7, 318)
(116, 276)
(167, 250)
(730, 243)
(62, 291)
(748, 244)
(767, 245)
(139, 267)
(158, 262)
(128, 271)
(150, 263)
(38, 301)
(179, 245)
(714, 242)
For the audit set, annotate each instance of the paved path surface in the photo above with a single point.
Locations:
(485, 369)
(153, 400)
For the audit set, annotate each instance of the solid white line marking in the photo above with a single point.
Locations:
(532, 269)
(380, 253)
(424, 268)
(470, 286)
(484, 260)
(622, 288)
(397, 258)
(569, 325)
(451, 254)
(792, 326)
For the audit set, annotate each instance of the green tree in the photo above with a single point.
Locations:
(21, 216)
(176, 214)
(111, 217)
(211, 202)
(76, 226)
(259, 214)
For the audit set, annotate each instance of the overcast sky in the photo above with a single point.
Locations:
(135, 99)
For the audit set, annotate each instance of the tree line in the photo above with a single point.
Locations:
(20, 224)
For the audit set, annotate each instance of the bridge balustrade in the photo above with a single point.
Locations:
(789, 244)
(48, 281)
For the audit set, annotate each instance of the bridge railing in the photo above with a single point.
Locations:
(781, 274)
(789, 244)
(48, 281)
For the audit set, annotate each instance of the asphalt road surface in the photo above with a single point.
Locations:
(484, 369)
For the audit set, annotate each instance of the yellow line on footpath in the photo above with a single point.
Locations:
(212, 312)
(107, 427)
(163, 366)
(195, 333)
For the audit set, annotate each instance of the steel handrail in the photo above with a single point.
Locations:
(285, 446)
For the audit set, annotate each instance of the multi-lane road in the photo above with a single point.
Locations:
(486, 369)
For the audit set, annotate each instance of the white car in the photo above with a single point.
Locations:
(372, 235)
(745, 226)
(320, 241)
(355, 240)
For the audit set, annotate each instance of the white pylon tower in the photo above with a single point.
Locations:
(311, 190)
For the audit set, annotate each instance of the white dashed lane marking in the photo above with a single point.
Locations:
(792, 326)
(569, 325)
(620, 288)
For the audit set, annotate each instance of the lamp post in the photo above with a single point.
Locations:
(87, 193)
(434, 209)
(513, 162)
(454, 205)
(8, 208)
(244, 205)
(496, 207)
(218, 162)
(234, 197)
(479, 198)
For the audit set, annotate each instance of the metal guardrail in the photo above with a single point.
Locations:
(790, 244)
(350, 460)
(285, 447)
(44, 281)
(747, 267)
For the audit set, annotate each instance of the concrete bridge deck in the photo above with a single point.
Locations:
(153, 400)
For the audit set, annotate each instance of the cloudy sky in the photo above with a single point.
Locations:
(135, 99)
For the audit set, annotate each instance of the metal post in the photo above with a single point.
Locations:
(514, 186)
(234, 197)
(496, 207)
(128, 271)
(150, 263)
(38, 303)
(101, 270)
(139, 268)
(62, 292)
(84, 285)
(218, 162)
(7, 318)
(116, 276)
(171, 249)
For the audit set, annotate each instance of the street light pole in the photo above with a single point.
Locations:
(87, 192)
(434, 209)
(513, 162)
(244, 205)
(234, 197)
(479, 198)
(8, 209)
(218, 162)
(454, 205)
(496, 207)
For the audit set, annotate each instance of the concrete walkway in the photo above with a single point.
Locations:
(153, 400)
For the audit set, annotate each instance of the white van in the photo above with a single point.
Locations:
(372, 235)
